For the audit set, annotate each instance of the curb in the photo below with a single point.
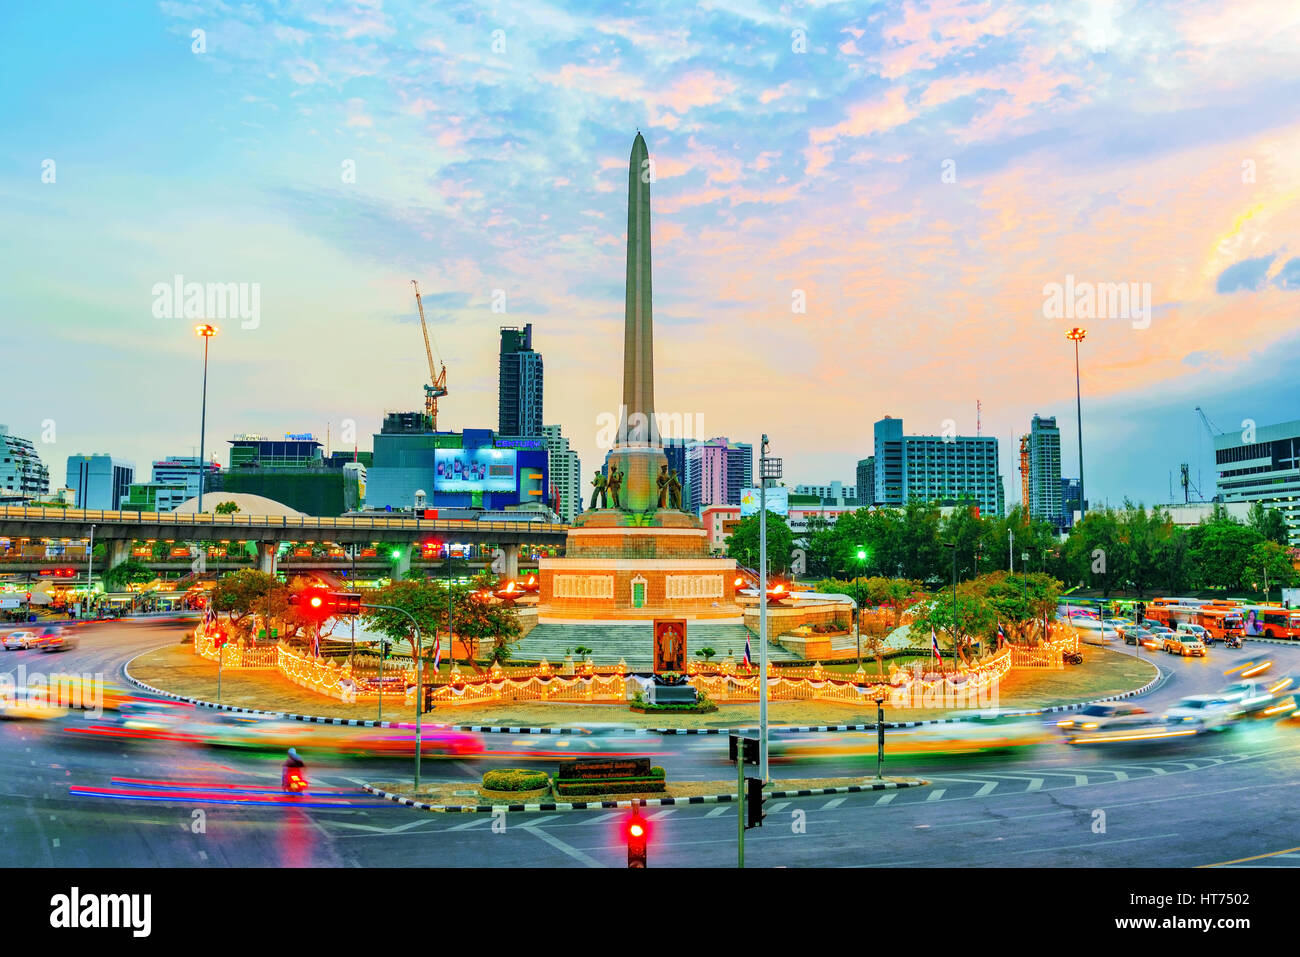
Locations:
(891, 785)
(511, 729)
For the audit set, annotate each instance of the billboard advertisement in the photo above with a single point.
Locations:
(475, 470)
(778, 500)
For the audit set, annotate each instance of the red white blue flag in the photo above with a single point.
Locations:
(749, 660)
(934, 644)
(437, 653)
(1002, 638)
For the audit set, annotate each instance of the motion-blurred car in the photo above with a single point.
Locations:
(1097, 717)
(1259, 697)
(46, 634)
(1136, 635)
(1185, 645)
(1204, 712)
(1095, 632)
(63, 641)
(987, 732)
(19, 640)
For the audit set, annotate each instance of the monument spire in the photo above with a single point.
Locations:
(638, 426)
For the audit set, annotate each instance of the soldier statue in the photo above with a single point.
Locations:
(662, 481)
(614, 485)
(598, 490)
(675, 490)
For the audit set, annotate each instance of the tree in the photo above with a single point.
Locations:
(425, 601)
(479, 617)
(1269, 565)
(1268, 522)
(226, 508)
(705, 653)
(976, 617)
(129, 572)
(1220, 549)
(742, 544)
(244, 592)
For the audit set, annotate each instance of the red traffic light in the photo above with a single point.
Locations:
(638, 833)
(314, 602)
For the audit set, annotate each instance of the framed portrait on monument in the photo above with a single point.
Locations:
(670, 644)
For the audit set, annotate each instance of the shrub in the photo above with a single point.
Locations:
(515, 779)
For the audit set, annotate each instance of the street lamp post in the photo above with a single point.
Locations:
(207, 331)
(953, 546)
(1011, 550)
(419, 678)
(768, 469)
(1077, 335)
(90, 568)
(857, 614)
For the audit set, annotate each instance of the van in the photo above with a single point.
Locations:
(1196, 631)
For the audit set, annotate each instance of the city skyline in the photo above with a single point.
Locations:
(508, 180)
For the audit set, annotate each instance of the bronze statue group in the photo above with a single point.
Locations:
(606, 489)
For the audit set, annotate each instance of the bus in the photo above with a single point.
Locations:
(1172, 612)
(1220, 621)
(1270, 621)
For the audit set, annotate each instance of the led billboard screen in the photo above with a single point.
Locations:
(778, 500)
(475, 470)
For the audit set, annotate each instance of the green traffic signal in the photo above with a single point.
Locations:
(862, 553)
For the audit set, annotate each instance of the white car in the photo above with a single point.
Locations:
(1099, 717)
(19, 640)
(1095, 632)
(1256, 696)
(1204, 712)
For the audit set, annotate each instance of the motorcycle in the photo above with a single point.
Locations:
(293, 780)
(1072, 658)
(1232, 641)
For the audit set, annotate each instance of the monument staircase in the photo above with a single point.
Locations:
(634, 643)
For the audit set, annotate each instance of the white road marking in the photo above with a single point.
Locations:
(886, 798)
(664, 813)
(479, 819)
(718, 811)
(833, 802)
(986, 787)
(560, 845)
(773, 808)
(934, 795)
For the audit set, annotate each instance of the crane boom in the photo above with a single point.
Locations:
(437, 386)
(1208, 424)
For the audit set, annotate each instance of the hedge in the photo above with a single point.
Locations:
(581, 786)
(515, 779)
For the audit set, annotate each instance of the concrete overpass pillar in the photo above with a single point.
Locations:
(266, 552)
(512, 560)
(402, 563)
(119, 550)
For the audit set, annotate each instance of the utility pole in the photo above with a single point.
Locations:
(768, 469)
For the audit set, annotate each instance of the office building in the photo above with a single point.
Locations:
(1071, 504)
(100, 481)
(158, 496)
(470, 469)
(23, 475)
(931, 468)
(1265, 470)
(1045, 471)
(836, 493)
(297, 450)
(520, 386)
(717, 471)
(183, 470)
(566, 474)
(867, 480)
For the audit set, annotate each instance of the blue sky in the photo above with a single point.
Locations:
(916, 172)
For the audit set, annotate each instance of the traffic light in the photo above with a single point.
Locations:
(346, 603)
(637, 833)
(754, 802)
(315, 602)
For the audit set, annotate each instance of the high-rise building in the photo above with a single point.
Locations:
(1045, 471)
(100, 481)
(565, 472)
(932, 468)
(867, 480)
(183, 470)
(1265, 470)
(520, 386)
(717, 471)
(1071, 503)
(22, 473)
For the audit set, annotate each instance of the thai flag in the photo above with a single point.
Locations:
(749, 658)
(437, 653)
(1002, 638)
(934, 644)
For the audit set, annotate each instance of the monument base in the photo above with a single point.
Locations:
(640, 467)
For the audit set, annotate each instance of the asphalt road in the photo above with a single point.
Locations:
(69, 801)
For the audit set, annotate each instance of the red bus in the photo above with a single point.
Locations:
(1270, 621)
(1220, 621)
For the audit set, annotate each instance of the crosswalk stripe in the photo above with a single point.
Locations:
(664, 813)
(833, 802)
(718, 811)
(483, 819)
(934, 795)
(778, 806)
(886, 798)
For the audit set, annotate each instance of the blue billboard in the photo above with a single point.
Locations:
(475, 470)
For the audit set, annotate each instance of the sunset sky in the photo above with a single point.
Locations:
(919, 173)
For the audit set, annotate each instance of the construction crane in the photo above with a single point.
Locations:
(1214, 434)
(1209, 426)
(437, 386)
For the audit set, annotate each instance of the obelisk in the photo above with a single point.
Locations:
(637, 451)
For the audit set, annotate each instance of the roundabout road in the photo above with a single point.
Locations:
(69, 801)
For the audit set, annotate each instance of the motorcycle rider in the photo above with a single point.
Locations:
(292, 763)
